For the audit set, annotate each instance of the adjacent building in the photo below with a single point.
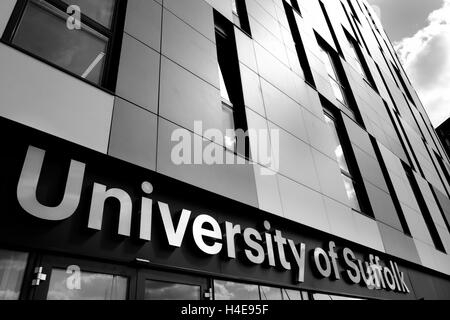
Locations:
(115, 116)
(443, 132)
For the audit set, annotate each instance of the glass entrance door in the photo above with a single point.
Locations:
(58, 278)
(158, 285)
(62, 278)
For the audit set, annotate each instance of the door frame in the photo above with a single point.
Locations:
(204, 282)
(49, 262)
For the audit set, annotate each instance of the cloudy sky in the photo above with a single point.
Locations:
(420, 30)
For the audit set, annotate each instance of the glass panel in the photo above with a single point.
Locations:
(328, 64)
(351, 192)
(339, 152)
(352, 49)
(92, 286)
(234, 6)
(291, 294)
(356, 62)
(237, 20)
(337, 90)
(159, 290)
(227, 290)
(357, 65)
(305, 295)
(43, 32)
(322, 297)
(101, 11)
(12, 268)
(269, 293)
(223, 88)
(227, 125)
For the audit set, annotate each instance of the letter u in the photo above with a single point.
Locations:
(28, 183)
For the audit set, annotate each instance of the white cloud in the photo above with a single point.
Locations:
(426, 58)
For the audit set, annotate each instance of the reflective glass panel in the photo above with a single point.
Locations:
(101, 11)
(337, 90)
(291, 294)
(351, 193)
(328, 64)
(12, 268)
(356, 63)
(227, 290)
(92, 286)
(228, 127)
(339, 152)
(223, 88)
(234, 6)
(160, 290)
(270, 293)
(320, 296)
(43, 32)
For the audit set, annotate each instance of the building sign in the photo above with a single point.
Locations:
(76, 201)
(259, 246)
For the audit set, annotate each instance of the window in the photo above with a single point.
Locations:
(94, 286)
(398, 126)
(329, 297)
(301, 52)
(389, 184)
(233, 106)
(358, 62)
(352, 8)
(41, 29)
(403, 83)
(443, 167)
(240, 17)
(349, 182)
(371, 18)
(424, 209)
(12, 270)
(295, 5)
(338, 80)
(336, 85)
(163, 290)
(228, 290)
(330, 28)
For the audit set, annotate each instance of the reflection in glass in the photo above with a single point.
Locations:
(334, 79)
(12, 268)
(236, 18)
(349, 183)
(43, 32)
(227, 125)
(292, 295)
(327, 297)
(351, 192)
(223, 88)
(94, 286)
(234, 7)
(338, 150)
(326, 59)
(270, 293)
(160, 290)
(99, 10)
(355, 62)
(227, 290)
(338, 92)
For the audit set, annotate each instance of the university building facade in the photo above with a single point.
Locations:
(343, 193)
